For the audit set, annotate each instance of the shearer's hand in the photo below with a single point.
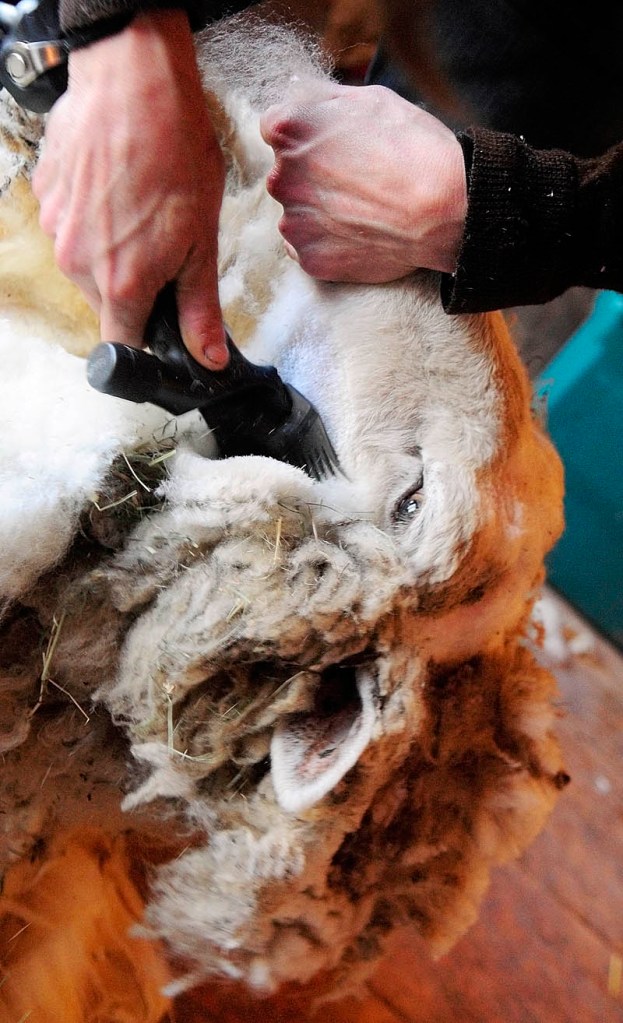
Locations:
(130, 182)
(371, 185)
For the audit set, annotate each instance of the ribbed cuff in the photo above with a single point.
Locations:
(516, 243)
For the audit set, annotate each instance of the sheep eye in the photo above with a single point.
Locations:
(409, 504)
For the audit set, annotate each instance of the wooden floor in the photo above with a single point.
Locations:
(548, 946)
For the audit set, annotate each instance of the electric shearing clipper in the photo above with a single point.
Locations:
(248, 407)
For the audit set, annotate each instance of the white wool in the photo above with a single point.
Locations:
(57, 439)
(245, 57)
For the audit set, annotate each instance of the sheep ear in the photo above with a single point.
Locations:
(311, 752)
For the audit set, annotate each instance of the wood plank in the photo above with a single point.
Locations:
(579, 855)
(527, 960)
(223, 1005)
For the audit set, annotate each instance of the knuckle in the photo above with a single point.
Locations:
(272, 124)
(283, 128)
(47, 219)
(124, 280)
(290, 230)
(48, 212)
(301, 229)
(274, 183)
(319, 264)
(288, 185)
(378, 92)
(67, 256)
(311, 263)
(37, 183)
(119, 291)
(282, 131)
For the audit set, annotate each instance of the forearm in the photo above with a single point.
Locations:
(109, 197)
(538, 222)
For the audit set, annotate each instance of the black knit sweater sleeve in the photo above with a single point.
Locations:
(90, 18)
(538, 222)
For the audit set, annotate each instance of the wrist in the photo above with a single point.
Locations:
(447, 209)
(138, 49)
(456, 207)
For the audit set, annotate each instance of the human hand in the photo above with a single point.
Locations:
(371, 185)
(130, 183)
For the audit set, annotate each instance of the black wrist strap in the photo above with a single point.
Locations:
(78, 38)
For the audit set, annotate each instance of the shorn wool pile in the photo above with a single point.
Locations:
(251, 722)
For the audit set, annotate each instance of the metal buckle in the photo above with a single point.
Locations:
(33, 54)
(25, 62)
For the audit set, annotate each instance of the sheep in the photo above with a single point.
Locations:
(252, 722)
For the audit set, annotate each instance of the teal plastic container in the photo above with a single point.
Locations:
(582, 390)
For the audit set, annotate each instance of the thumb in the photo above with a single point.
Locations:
(200, 316)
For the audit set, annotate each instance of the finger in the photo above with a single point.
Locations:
(40, 180)
(47, 171)
(125, 323)
(200, 315)
(50, 196)
(291, 251)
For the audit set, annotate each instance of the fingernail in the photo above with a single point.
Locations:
(293, 254)
(216, 355)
